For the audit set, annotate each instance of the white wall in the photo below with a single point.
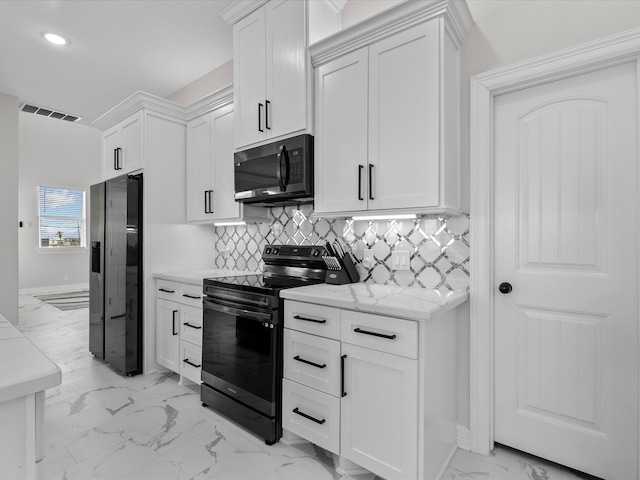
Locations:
(9, 150)
(203, 86)
(60, 154)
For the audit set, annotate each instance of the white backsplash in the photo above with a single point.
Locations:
(438, 245)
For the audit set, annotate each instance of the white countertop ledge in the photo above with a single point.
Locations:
(23, 368)
(412, 303)
(196, 277)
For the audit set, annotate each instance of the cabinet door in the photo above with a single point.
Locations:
(224, 204)
(168, 334)
(132, 149)
(341, 134)
(249, 78)
(404, 119)
(381, 403)
(286, 67)
(111, 140)
(199, 184)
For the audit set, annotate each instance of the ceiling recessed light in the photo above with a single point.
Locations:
(55, 39)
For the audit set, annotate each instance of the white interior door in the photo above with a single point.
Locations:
(566, 210)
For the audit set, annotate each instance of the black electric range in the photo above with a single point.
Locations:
(242, 337)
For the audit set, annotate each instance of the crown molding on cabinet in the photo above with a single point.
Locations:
(402, 16)
(213, 101)
(239, 9)
(136, 102)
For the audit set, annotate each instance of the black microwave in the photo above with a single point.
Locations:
(278, 173)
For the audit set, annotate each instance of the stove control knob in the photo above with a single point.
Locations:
(267, 250)
(315, 252)
(275, 251)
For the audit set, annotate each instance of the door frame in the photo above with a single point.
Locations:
(609, 51)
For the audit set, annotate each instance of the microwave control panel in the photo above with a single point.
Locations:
(296, 166)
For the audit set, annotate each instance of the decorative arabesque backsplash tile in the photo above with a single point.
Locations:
(438, 245)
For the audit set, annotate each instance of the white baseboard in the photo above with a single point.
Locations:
(54, 289)
(464, 438)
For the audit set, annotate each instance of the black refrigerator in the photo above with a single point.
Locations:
(115, 280)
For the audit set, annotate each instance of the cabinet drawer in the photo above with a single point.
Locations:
(311, 318)
(312, 415)
(385, 334)
(191, 295)
(312, 361)
(191, 324)
(190, 361)
(167, 290)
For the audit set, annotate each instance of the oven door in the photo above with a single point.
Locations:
(240, 345)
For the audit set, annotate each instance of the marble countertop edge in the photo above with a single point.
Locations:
(24, 369)
(410, 303)
(197, 276)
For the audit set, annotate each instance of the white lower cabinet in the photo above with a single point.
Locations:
(375, 390)
(379, 412)
(179, 328)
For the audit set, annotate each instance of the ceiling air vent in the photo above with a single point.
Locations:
(25, 107)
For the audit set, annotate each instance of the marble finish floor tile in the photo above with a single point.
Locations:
(101, 425)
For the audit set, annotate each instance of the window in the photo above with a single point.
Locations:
(61, 213)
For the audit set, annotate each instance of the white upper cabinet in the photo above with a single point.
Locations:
(210, 186)
(271, 69)
(387, 112)
(122, 147)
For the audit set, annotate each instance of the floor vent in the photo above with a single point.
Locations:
(45, 112)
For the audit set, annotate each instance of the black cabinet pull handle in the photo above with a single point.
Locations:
(370, 181)
(206, 195)
(298, 317)
(360, 167)
(260, 117)
(298, 412)
(266, 114)
(186, 360)
(382, 335)
(317, 365)
(115, 159)
(342, 362)
(174, 323)
(210, 192)
(118, 158)
(191, 296)
(187, 324)
(166, 291)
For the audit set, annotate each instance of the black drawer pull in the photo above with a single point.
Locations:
(166, 291)
(297, 357)
(186, 360)
(343, 358)
(187, 324)
(298, 317)
(298, 412)
(382, 335)
(191, 296)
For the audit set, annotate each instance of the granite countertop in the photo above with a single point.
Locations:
(23, 368)
(196, 277)
(412, 303)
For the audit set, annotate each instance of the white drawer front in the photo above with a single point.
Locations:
(167, 290)
(191, 324)
(311, 318)
(191, 295)
(190, 361)
(385, 334)
(312, 361)
(312, 415)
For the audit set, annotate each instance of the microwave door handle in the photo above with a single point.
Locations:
(282, 173)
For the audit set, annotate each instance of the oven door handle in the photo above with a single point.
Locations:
(260, 316)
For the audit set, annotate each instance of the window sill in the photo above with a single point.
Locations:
(59, 250)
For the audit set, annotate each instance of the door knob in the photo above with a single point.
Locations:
(505, 288)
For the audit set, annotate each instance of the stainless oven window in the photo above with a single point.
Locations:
(239, 346)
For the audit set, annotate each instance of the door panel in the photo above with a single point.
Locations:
(566, 337)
